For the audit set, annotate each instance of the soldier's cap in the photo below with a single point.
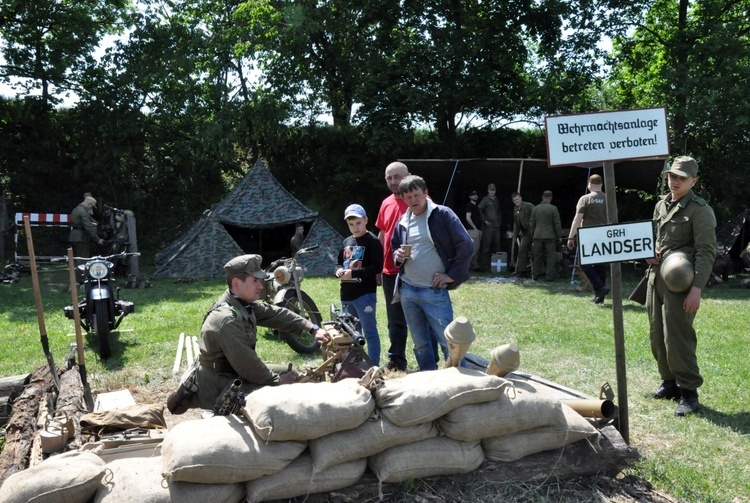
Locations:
(91, 200)
(248, 264)
(547, 193)
(596, 179)
(354, 210)
(473, 193)
(684, 166)
(491, 187)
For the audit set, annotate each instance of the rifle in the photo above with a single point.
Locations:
(232, 400)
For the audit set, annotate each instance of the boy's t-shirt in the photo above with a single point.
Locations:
(364, 257)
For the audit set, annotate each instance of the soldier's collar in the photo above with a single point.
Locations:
(243, 303)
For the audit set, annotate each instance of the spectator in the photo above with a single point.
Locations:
(360, 262)
(438, 261)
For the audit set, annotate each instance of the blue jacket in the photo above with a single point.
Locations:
(448, 234)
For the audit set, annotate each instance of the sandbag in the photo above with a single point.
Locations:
(136, 416)
(424, 396)
(139, 479)
(304, 411)
(370, 438)
(570, 428)
(518, 409)
(222, 450)
(297, 479)
(70, 477)
(434, 456)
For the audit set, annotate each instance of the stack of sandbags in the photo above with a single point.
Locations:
(319, 437)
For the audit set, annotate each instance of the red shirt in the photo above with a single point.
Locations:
(390, 213)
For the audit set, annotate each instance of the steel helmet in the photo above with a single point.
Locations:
(677, 272)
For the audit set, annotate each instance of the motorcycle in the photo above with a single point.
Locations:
(282, 288)
(100, 312)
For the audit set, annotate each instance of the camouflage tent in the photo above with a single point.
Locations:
(258, 216)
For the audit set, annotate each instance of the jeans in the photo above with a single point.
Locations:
(364, 309)
(597, 274)
(428, 311)
(397, 331)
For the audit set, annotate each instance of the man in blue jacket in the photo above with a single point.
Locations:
(436, 259)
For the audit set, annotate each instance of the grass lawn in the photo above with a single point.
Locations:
(562, 336)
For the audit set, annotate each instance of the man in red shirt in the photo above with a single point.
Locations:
(391, 211)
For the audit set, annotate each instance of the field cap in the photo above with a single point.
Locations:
(491, 187)
(91, 200)
(473, 193)
(354, 210)
(596, 179)
(684, 166)
(248, 264)
(547, 193)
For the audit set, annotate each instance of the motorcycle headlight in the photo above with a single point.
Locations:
(282, 275)
(98, 270)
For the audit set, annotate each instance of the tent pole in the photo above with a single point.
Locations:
(450, 183)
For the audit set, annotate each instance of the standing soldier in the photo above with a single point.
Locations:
(546, 230)
(683, 223)
(490, 210)
(473, 223)
(521, 227)
(83, 228)
(592, 210)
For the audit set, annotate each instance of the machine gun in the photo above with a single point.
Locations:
(232, 400)
(344, 355)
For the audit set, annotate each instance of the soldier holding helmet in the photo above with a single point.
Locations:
(684, 224)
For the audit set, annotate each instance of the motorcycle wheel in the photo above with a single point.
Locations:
(101, 327)
(305, 342)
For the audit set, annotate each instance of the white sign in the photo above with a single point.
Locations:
(616, 242)
(607, 136)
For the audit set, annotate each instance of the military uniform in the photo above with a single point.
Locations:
(522, 226)
(227, 346)
(82, 231)
(688, 226)
(489, 208)
(546, 229)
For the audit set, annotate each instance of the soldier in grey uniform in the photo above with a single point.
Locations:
(683, 222)
(228, 335)
(83, 230)
(546, 230)
(489, 208)
(521, 226)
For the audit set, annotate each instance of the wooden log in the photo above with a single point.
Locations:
(71, 400)
(13, 386)
(19, 434)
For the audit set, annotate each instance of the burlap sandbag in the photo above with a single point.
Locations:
(424, 396)
(139, 479)
(297, 479)
(140, 416)
(370, 438)
(222, 450)
(518, 409)
(305, 411)
(570, 428)
(70, 477)
(434, 456)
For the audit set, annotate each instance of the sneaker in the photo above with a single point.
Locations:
(600, 294)
(688, 403)
(668, 390)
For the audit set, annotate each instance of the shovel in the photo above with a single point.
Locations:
(79, 338)
(38, 300)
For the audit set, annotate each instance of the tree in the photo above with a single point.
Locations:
(46, 42)
(694, 58)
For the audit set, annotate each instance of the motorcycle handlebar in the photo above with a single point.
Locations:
(98, 257)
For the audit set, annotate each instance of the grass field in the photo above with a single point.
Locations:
(562, 336)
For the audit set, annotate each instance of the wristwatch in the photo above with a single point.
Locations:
(314, 328)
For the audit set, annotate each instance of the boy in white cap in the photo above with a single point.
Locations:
(360, 260)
